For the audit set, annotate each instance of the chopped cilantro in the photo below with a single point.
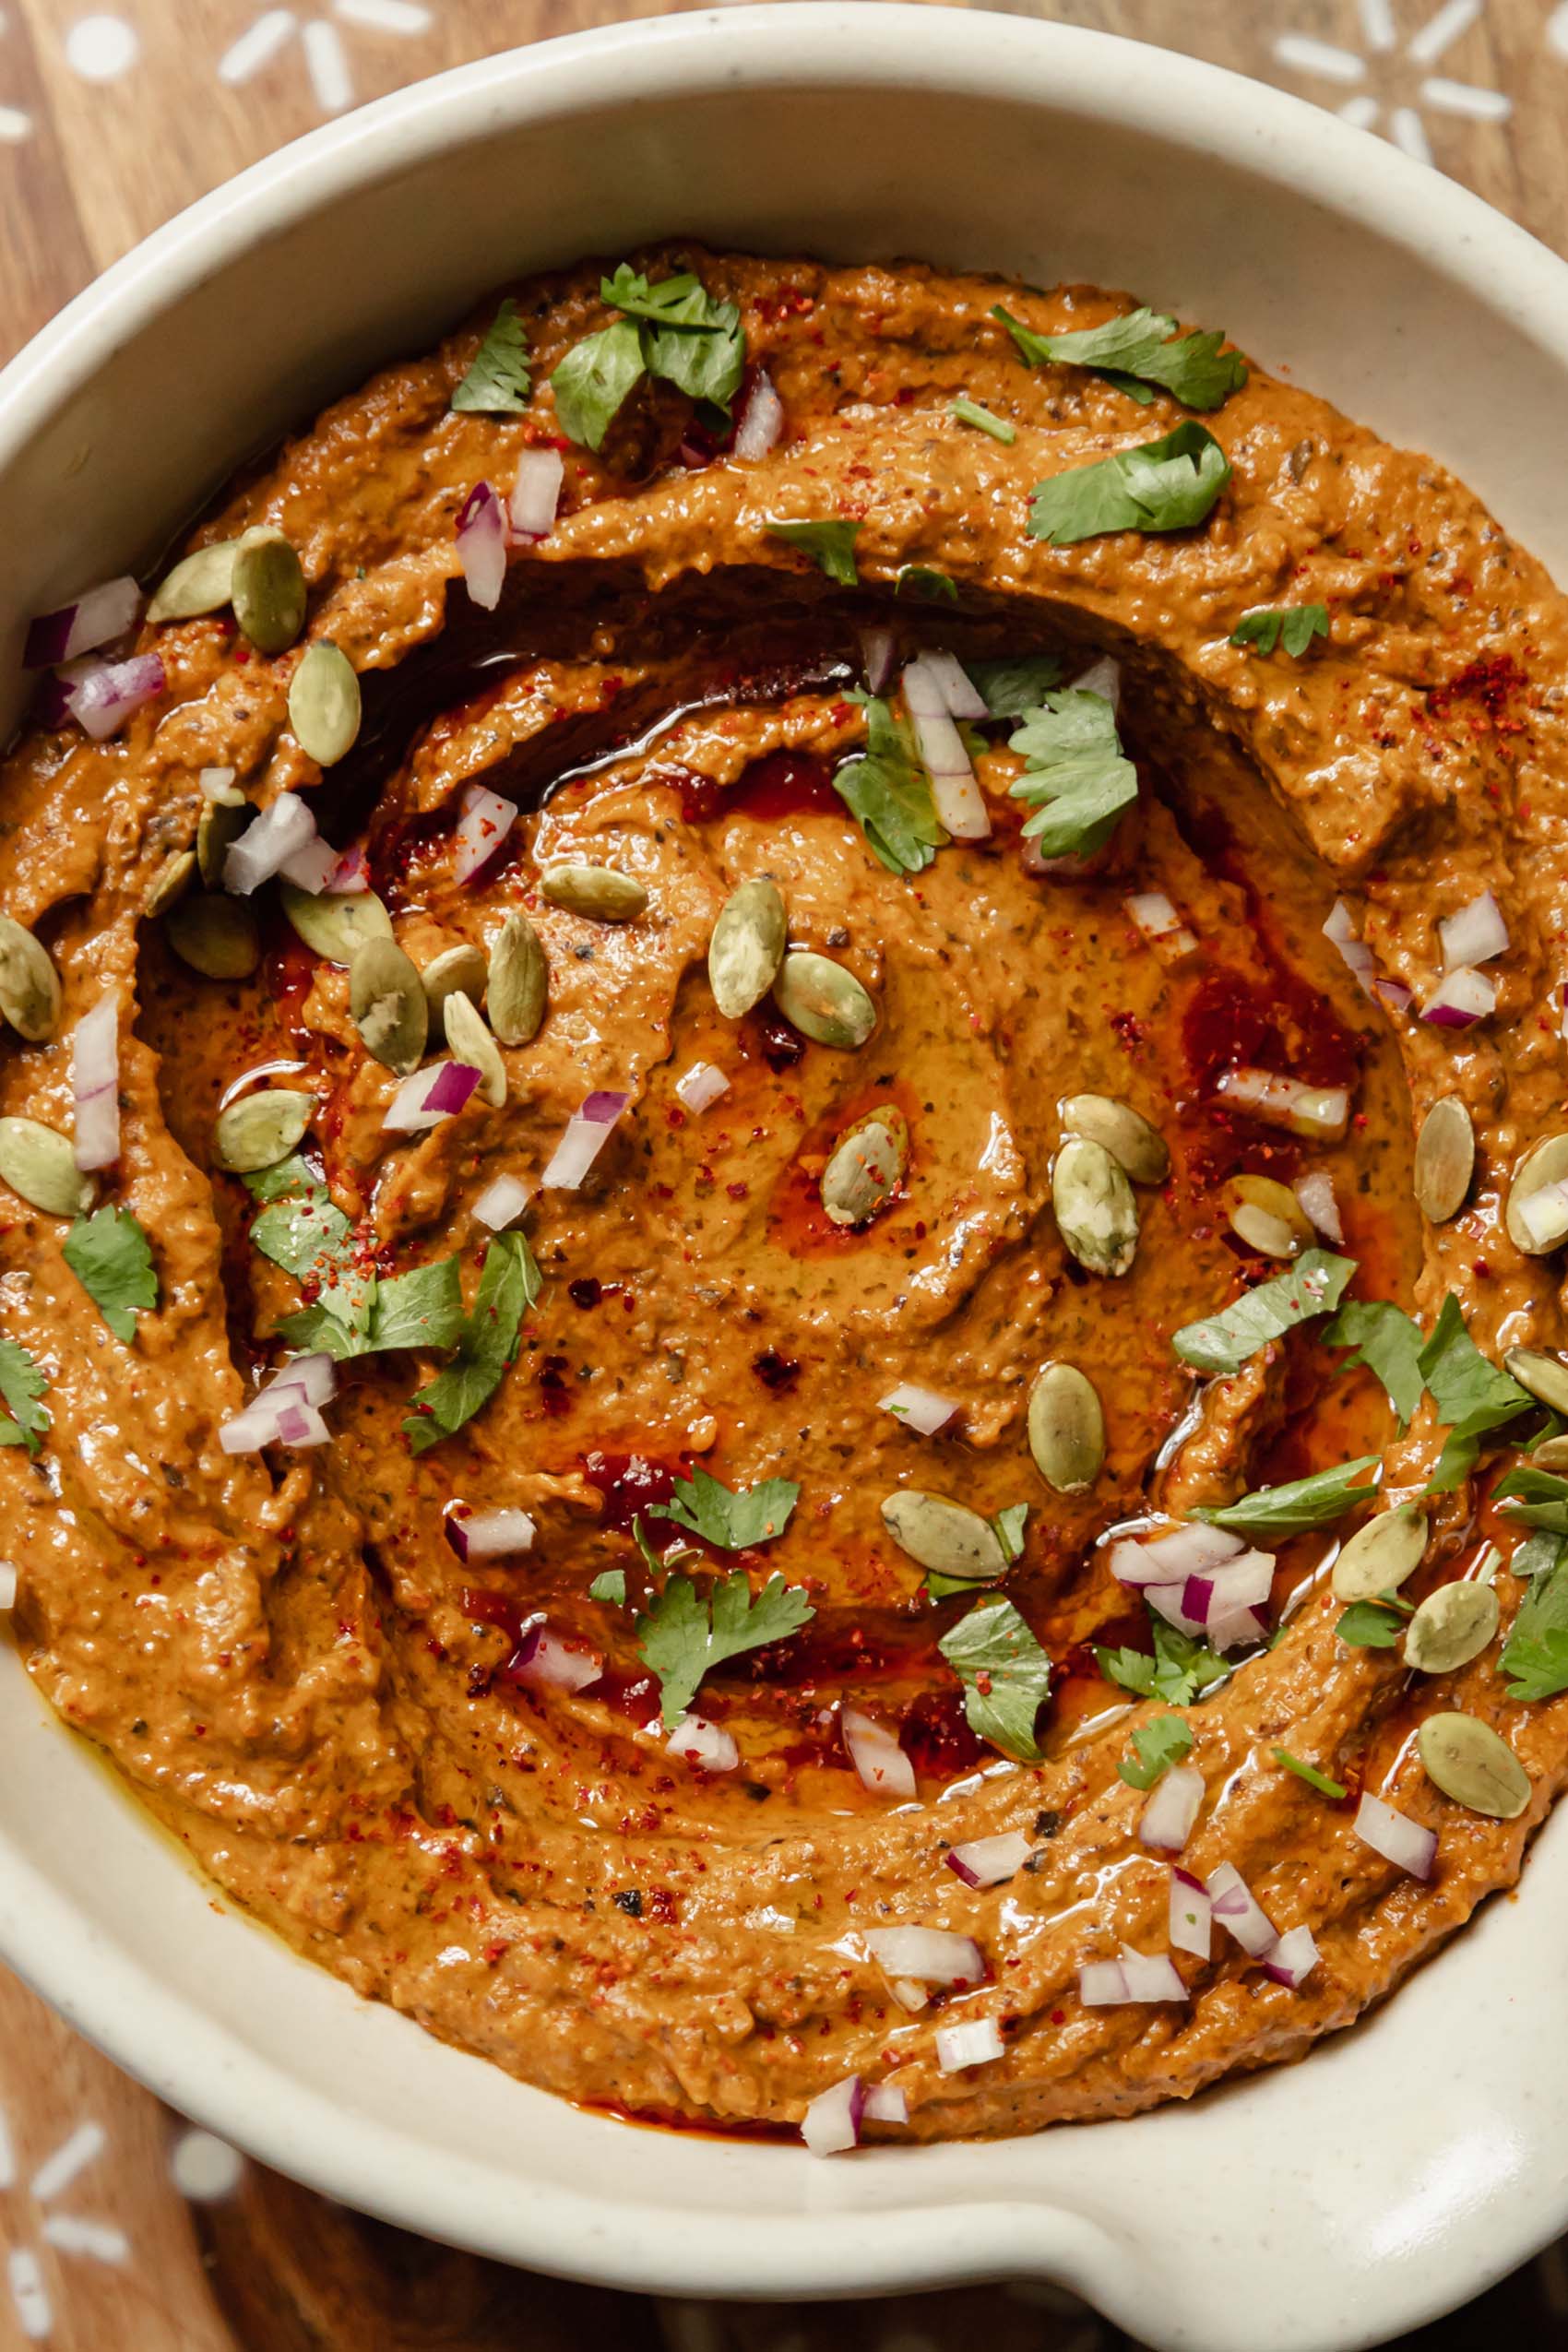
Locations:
(918, 579)
(1292, 625)
(498, 382)
(1535, 1655)
(1310, 1774)
(1370, 1626)
(1159, 1744)
(831, 546)
(1006, 1675)
(1471, 1395)
(1077, 778)
(1388, 1343)
(1535, 1498)
(1164, 485)
(487, 1341)
(680, 1635)
(1538, 1556)
(1180, 1671)
(1134, 351)
(969, 411)
(674, 329)
(303, 1229)
(22, 1388)
(610, 1585)
(593, 380)
(1009, 1526)
(1222, 1343)
(887, 792)
(1314, 1502)
(421, 1309)
(731, 1517)
(1011, 688)
(109, 1254)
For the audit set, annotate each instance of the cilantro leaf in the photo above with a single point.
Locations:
(1314, 1502)
(610, 1585)
(593, 380)
(1535, 1655)
(1222, 1343)
(498, 382)
(731, 1517)
(1180, 1671)
(509, 1282)
(681, 300)
(1292, 625)
(706, 367)
(1159, 1744)
(1387, 1343)
(1009, 1526)
(674, 329)
(421, 1309)
(1134, 350)
(1006, 1675)
(303, 1229)
(887, 792)
(108, 1253)
(969, 411)
(1370, 1626)
(1310, 1774)
(1078, 780)
(22, 1386)
(1009, 688)
(830, 545)
(1164, 485)
(1538, 1556)
(1471, 1394)
(682, 1635)
(1541, 1501)
(919, 579)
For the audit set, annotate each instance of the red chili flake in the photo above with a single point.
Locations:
(738, 1192)
(776, 1373)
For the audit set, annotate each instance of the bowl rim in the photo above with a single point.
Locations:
(196, 2063)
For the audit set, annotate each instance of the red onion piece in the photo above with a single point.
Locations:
(1238, 1910)
(482, 545)
(588, 1132)
(1340, 931)
(700, 1086)
(958, 690)
(986, 1861)
(1293, 1957)
(1103, 678)
(485, 823)
(1462, 996)
(832, 2122)
(316, 1377)
(263, 848)
(501, 1202)
(101, 614)
(1316, 1193)
(1393, 993)
(312, 868)
(1475, 934)
(542, 1661)
(877, 1755)
(350, 875)
(1187, 1549)
(299, 1424)
(286, 1409)
(1288, 1102)
(1152, 914)
(930, 1955)
(108, 693)
(1544, 1214)
(430, 1096)
(920, 1410)
(956, 797)
(1395, 1837)
(887, 2103)
(486, 1535)
(762, 422)
(876, 654)
(1103, 1984)
(1190, 1912)
(95, 1085)
(1173, 1806)
(215, 782)
(1151, 1976)
(706, 1745)
(975, 2041)
(536, 493)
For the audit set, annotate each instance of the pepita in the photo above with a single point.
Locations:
(945, 1536)
(1125, 1134)
(30, 985)
(1267, 1215)
(1451, 1626)
(1066, 1427)
(1544, 1376)
(266, 589)
(471, 1042)
(1544, 1166)
(1551, 1455)
(822, 1000)
(456, 967)
(1445, 1159)
(215, 936)
(172, 881)
(224, 817)
(598, 892)
(39, 1165)
(1467, 1759)
(747, 946)
(261, 1129)
(1096, 1214)
(387, 999)
(867, 1166)
(335, 926)
(198, 584)
(324, 703)
(1379, 1557)
(519, 981)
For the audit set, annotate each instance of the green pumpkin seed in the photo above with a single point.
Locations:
(324, 703)
(1379, 1557)
(1138, 1148)
(519, 981)
(215, 936)
(37, 1164)
(224, 817)
(944, 1537)
(822, 1000)
(1096, 1214)
(1066, 1427)
(1551, 1455)
(747, 946)
(1544, 1164)
(456, 967)
(1468, 1761)
(471, 1042)
(267, 592)
(30, 985)
(261, 1129)
(336, 925)
(198, 584)
(387, 999)
(172, 881)
(867, 1166)
(1265, 1216)
(1451, 1626)
(1544, 1376)
(597, 891)
(1445, 1159)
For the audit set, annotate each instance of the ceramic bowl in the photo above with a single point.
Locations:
(1405, 2163)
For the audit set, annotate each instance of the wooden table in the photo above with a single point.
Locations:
(123, 2231)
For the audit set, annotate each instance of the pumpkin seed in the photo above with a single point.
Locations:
(1066, 1427)
(1451, 1626)
(596, 891)
(266, 589)
(39, 1164)
(867, 1166)
(1468, 1761)
(1379, 1557)
(1445, 1159)
(336, 926)
(1139, 1148)
(224, 817)
(1544, 1165)
(324, 703)
(172, 881)
(1544, 1376)
(387, 999)
(261, 1129)
(471, 1042)
(215, 936)
(30, 985)
(945, 1536)
(1096, 1214)
(822, 1000)
(747, 946)
(1267, 1215)
(519, 981)
(198, 584)
(1551, 1455)
(456, 967)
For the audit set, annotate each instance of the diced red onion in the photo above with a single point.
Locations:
(975, 2041)
(266, 844)
(876, 654)
(1170, 1601)
(887, 2103)
(1102, 677)
(430, 1096)
(1151, 1976)
(1293, 1957)
(1186, 1552)
(1152, 914)
(706, 1745)
(482, 545)
(1239, 1911)
(286, 1409)
(312, 868)
(588, 1132)
(486, 1535)
(920, 1410)
(1225, 1602)
(8, 1600)
(300, 1424)
(1316, 1193)
(701, 1085)
(536, 493)
(108, 693)
(930, 1955)
(501, 1202)
(101, 614)
(907, 1994)
(1340, 930)
(1475, 934)
(316, 1377)
(762, 421)
(877, 1755)
(1395, 1837)
(958, 690)
(1462, 996)
(544, 1662)
(1103, 1984)
(215, 782)
(986, 1861)
(95, 1085)
(485, 823)
(350, 875)
(1288, 1102)
(832, 2122)
(1544, 1214)
(1080, 866)
(1191, 1913)
(956, 797)
(1393, 993)
(1174, 1806)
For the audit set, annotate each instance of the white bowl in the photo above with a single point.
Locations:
(1403, 2166)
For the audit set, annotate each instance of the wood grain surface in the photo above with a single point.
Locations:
(121, 2230)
